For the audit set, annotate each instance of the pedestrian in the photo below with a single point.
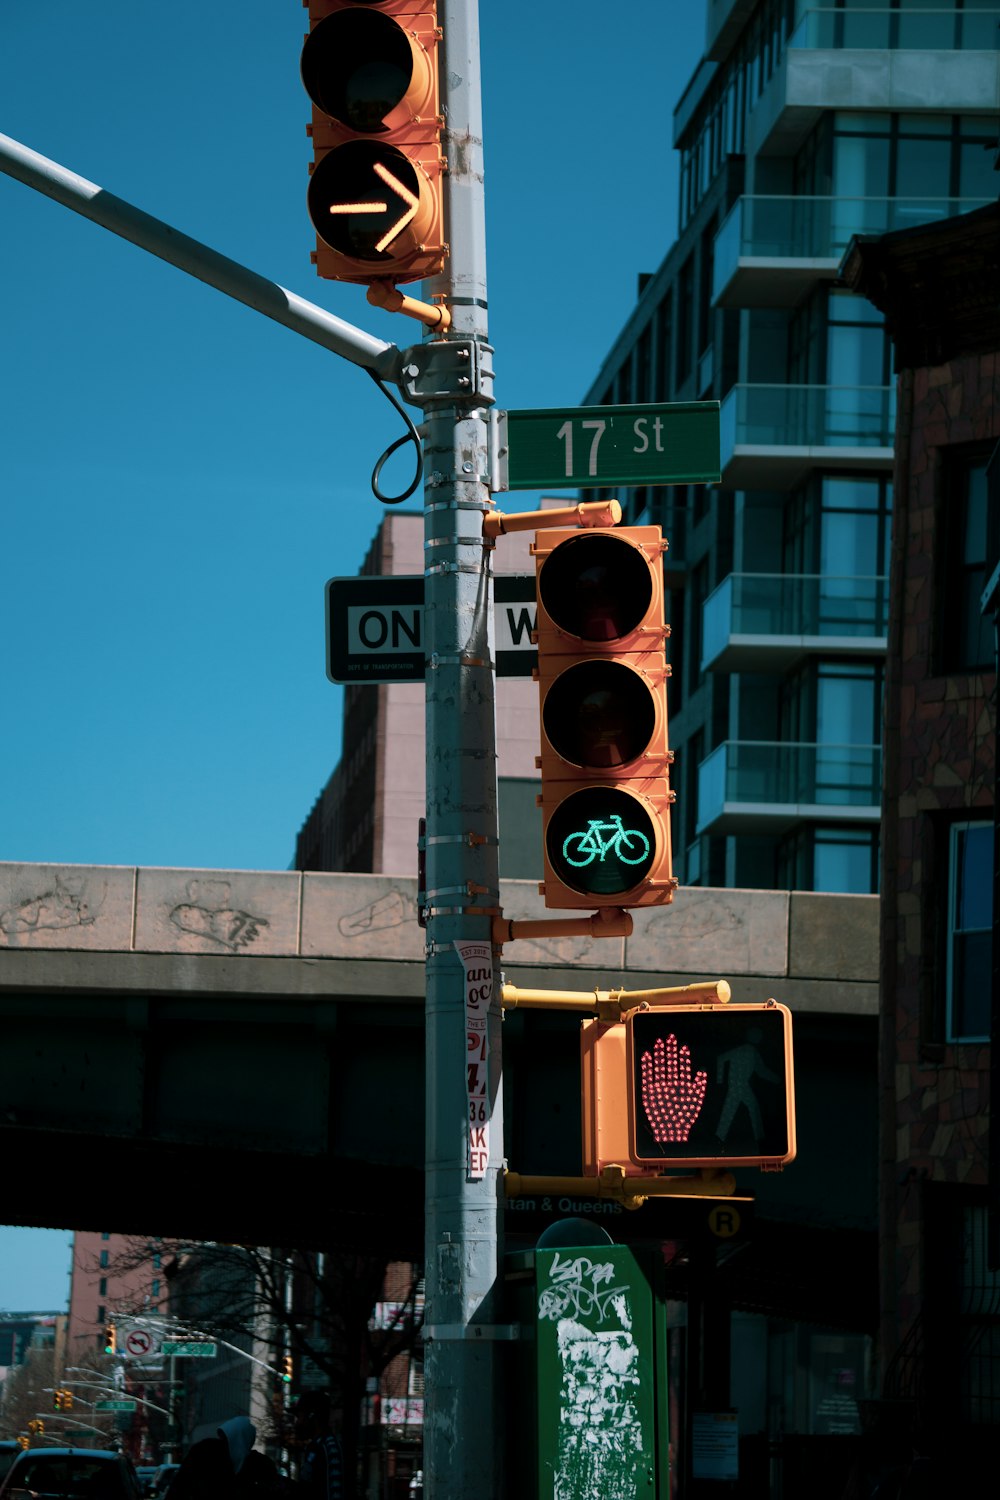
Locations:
(226, 1467)
(321, 1469)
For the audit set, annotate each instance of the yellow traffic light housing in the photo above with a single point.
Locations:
(375, 200)
(287, 1368)
(110, 1338)
(602, 676)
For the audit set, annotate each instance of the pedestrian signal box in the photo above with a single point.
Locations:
(602, 677)
(375, 198)
(710, 1086)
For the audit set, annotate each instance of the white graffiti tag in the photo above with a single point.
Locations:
(580, 1290)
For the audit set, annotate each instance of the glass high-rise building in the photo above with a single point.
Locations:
(801, 128)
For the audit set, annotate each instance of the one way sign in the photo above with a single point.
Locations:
(374, 627)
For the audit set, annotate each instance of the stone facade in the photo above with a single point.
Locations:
(938, 289)
(941, 754)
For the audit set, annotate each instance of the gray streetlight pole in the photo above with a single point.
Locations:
(463, 1429)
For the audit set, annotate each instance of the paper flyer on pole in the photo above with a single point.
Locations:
(477, 960)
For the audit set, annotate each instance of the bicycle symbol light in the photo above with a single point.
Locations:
(602, 676)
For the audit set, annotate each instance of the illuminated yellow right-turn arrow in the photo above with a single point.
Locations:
(410, 199)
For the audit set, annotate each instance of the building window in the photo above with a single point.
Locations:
(102, 1287)
(104, 1259)
(156, 1289)
(101, 1313)
(840, 860)
(980, 1327)
(845, 861)
(967, 636)
(105, 1236)
(684, 351)
(969, 961)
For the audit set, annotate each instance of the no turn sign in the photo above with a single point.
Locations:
(138, 1342)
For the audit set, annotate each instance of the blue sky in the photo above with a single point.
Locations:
(178, 475)
(34, 1269)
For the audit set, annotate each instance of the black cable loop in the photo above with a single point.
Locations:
(408, 437)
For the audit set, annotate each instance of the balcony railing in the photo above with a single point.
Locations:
(943, 30)
(767, 621)
(772, 434)
(769, 785)
(771, 248)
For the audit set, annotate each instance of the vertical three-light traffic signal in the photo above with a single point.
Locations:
(602, 675)
(371, 70)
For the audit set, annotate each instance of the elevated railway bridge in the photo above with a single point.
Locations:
(239, 1055)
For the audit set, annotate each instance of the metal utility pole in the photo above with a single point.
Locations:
(463, 1423)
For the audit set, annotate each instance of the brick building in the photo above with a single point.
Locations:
(939, 289)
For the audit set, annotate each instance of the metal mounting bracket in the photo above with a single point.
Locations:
(442, 368)
(474, 1332)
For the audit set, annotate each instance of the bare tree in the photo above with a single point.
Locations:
(315, 1307)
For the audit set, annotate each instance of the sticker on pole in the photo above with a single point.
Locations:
(477, 960)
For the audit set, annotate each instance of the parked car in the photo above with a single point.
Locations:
(161, 1480)
(71, 1474)
(146, 1473)
(9, 1449)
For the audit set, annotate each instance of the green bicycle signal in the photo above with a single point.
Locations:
(629, 845)
(601, 841)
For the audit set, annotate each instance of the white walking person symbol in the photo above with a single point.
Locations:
(737, 1068)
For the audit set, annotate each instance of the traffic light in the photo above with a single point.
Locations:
(287, 1368)
(66, 1400)
(24, 1442)
(57, 1400)
(602, 676)
(110, 1339)
(36, 1427)
(710, 1085)
(375, 200)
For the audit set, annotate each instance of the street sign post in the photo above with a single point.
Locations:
(192, 1350)
(598, 447)
(375, 628)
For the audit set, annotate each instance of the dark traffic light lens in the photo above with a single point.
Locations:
(596, 586)
(599, 714)
(356, 67)
(361, 199)
(600, 841)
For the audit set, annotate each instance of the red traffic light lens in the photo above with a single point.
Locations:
(596, 587)
(599, 715)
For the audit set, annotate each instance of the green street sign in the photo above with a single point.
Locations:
(192, 1350)
(125, 1404)
(608, 446)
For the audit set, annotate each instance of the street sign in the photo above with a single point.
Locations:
(190, 1350)
(375, 630)
(602, 447)
(138, 1341)
(124, 1404)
